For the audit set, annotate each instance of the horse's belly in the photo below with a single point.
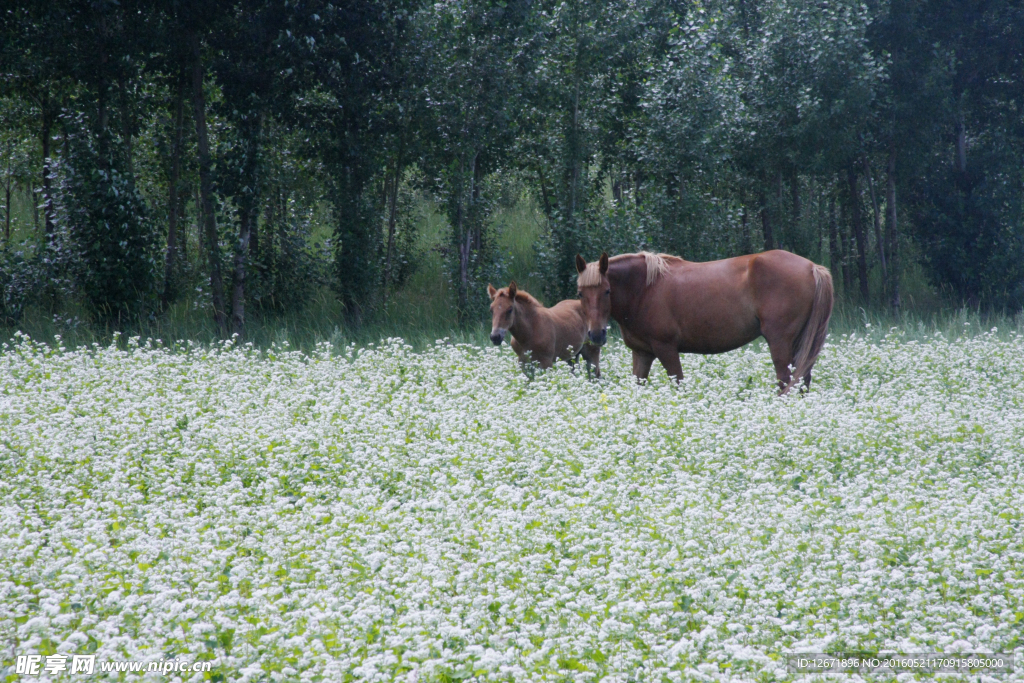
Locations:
(719, 346)
(718, 339)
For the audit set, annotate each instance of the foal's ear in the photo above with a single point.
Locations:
(581, 264)
(603, 265)
(512, 289)
(491, 291)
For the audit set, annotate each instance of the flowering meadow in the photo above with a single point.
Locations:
(380, 514)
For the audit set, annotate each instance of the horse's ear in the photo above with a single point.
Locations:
(512, 289)
(581, 264)
(604, 262)
(491, 291)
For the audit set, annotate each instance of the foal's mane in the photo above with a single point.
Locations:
(522, 297)
(527, 298)
(657, 264)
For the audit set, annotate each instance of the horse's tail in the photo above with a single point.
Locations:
(812, 338)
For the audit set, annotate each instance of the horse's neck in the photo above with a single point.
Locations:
(628, 278)
(522, 325)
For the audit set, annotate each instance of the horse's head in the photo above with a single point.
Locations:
(503, 310)
(596, 295)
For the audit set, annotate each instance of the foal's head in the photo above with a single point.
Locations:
(595, 293)
(503, 310)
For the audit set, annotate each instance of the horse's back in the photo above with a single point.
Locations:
(701, 307)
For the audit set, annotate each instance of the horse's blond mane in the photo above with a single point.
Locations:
(657, 264)
(591, 275)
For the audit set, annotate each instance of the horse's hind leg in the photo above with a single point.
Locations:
(807, 383)
(781, 338)
(782, 358)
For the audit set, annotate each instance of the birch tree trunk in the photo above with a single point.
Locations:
(879, 243)
(170, 256)
(206, 187)
(857, 225)
(835, 256)
(890, 230)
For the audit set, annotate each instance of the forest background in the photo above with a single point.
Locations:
(339, 171)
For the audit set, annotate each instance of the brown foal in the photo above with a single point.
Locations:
(541, 334)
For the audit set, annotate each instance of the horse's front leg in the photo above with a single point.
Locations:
(669, 357)
(642, 362)
(526, 362)
(592, 354)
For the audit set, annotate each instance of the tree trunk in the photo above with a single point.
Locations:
(392, 199)
(961, 147)
(574, 173)
(835, 255)
(879, 243)
(206, 187)
(794, 192)
(245, 218)
(846, 249)
(47, 192)
(103, 144)
(170, 256)
(127, 128)
(7, 213)
(745, 224)
(248, 205)
(465, 232)
(254, 239)
(8, 181)
(544, 194)
(766, 224)
(780, 241)
(890, 230)
(858, 232)
(815, 192)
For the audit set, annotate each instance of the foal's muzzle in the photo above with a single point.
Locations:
(599, 337)
(497, 336)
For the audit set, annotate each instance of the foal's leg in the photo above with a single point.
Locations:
(592, 354)
(526, 363)
(642, 364)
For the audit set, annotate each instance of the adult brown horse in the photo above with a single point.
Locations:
(541, 334)
(665, 305)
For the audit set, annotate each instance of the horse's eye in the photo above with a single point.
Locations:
(607, 291)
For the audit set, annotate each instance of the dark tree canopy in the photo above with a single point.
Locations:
(258, 152)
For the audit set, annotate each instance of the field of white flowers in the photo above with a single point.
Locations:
(383, 515)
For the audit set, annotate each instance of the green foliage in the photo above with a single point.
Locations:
(107, 224)
(968, 245)
(883, 138)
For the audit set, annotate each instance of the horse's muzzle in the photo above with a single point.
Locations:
(599, 337)
(497, 336)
